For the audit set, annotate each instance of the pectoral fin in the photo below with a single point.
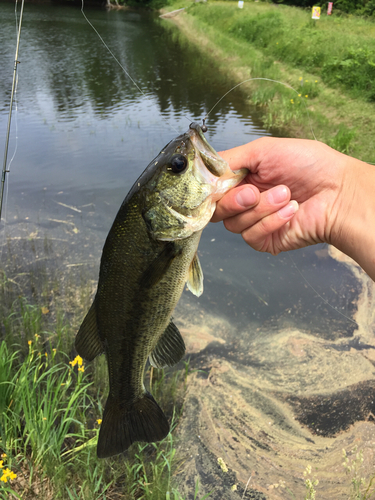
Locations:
(159, 266)
(195, 278)
(169, 349)
(88, 343)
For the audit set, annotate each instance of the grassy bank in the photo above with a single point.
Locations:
(329, 63)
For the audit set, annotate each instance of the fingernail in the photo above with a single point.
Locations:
(246, 198)
(277, 195)
(289, 210)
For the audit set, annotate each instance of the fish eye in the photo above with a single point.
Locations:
(177, 164)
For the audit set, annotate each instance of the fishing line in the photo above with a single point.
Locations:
(7, 170)
(318, 294)
(268, 80)
(118, 62)
(14, 152)
(15, 80)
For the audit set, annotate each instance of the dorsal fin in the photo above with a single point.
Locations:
(169, 349)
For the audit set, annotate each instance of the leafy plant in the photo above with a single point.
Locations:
(343, 139)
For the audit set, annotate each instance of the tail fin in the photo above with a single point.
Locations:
(143, 421)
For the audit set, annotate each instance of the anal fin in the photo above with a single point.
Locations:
(88, 343)
(169, 349)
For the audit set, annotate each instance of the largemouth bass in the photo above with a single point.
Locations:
(149, 255)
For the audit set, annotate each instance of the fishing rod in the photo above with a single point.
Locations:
(16, 62)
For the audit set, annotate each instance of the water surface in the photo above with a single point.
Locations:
(82, 133)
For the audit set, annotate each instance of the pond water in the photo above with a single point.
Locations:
(274, 333)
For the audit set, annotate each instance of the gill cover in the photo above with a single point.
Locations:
(181, 195)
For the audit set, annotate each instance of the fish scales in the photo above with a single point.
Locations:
(149, 255)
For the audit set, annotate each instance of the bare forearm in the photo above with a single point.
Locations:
(354, 230)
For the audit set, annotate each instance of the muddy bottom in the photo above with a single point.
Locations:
(257, 413)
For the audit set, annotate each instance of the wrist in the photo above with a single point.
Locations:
(354, 229)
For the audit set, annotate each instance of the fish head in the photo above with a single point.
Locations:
(182, 184)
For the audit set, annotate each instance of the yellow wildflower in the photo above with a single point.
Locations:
(8, 474)
(306, 80)
(306, 95)
(1, 464)
(54, 350)
(299, 95)
(300, 78)
(29, 342)
(4, 455)
(76, 360)
(99, 421)
(292, 101)
(46, 354)
(81, 369)
(36, 336)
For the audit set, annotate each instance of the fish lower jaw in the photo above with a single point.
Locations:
(191, 224)
(228, 181)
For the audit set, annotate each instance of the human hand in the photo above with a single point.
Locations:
(296, 194)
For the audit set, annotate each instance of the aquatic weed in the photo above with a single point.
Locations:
(361, 489)
(310, 484)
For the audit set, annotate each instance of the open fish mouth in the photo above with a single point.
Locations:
(212, 171)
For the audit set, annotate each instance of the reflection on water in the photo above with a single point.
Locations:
(287, 379)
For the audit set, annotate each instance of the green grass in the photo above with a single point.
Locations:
(339, 50)
(330, 63)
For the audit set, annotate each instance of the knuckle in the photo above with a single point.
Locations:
(230, 225)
